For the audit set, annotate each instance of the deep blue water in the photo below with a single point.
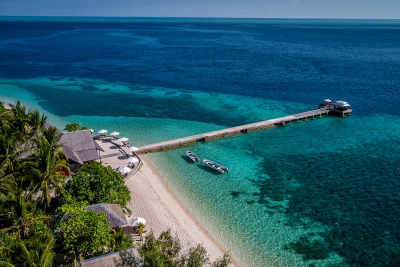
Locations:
(340, 176)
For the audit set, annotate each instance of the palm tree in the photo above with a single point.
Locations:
(53, 137)
(21, 218)
(3, 111)
(120, 241)
(76, 263)
(34, 258)
(35, 122)
(45, 169)
(7, 182)
(10, 148)
(20, 118)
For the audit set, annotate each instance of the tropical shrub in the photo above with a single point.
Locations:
(19, 215)
(165, 251)
(35, 250)
(95, 184)
(83, 231)
(8, 246)
(120, 241)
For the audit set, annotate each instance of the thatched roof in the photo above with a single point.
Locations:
(47, 126)
(98, 146)
(79, 146)
(71, 154)
(108, 260)
(115, 215)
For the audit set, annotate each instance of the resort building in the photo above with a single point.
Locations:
(115, 215)
(80, 147)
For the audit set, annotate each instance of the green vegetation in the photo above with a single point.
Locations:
(83, 231)
(19, 216)
(95, 183)
(120, 241)
(165, 251)
(72, 127)
(45, 168)
(32, 188)
(35, 250)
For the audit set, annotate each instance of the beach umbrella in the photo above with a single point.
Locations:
(133, 160)
(328, 100)
(91, 130)
(136, 221)
(102, 131)
(114, 133)
(124, 170)
(123, 139)
(346, 105)
(133, 148)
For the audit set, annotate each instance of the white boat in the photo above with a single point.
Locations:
(192, 156)
(215, 166)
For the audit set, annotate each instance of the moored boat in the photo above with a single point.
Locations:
(215, 166)
(192, 156)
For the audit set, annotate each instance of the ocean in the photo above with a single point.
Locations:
(325, 192)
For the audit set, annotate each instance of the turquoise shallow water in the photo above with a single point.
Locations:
(325, 192)
(280, 180)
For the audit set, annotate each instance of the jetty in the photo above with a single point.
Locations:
(252, 127)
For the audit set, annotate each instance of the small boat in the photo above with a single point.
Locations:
(192, 156)
(215, 166)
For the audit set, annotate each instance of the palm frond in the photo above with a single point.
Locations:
(47, 256)
(26, 255)
(6, 264)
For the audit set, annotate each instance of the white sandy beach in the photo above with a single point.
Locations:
(153, 200)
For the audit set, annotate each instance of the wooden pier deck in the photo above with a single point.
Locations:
(252, 127)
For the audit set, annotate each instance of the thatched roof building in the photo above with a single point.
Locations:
(80, 147)
(115, 215)
(47, 126)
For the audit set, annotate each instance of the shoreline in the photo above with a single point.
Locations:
(5, 104)
(181, 222)
(186, 221)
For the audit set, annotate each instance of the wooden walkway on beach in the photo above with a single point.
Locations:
(239, 130)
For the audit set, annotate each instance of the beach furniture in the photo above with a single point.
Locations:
(125, 144)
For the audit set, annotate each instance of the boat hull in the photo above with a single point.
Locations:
(215, 166)
(192, 156)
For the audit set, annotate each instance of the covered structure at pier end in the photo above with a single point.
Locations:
(338, 108)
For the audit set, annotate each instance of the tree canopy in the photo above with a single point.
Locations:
(31, 165)
(165, 251)
(83, 231)
(72, 127)
(20, 217)
(95, 183)
(35, 250)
